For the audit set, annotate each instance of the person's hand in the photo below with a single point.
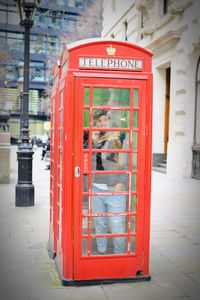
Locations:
(119, 187)
(95, 136)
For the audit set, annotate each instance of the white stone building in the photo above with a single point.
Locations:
(171, 30)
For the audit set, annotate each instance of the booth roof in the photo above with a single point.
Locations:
(80, 43)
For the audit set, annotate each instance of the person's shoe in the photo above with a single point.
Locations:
(101, 252)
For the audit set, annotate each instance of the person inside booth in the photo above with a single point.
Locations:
(101, 183)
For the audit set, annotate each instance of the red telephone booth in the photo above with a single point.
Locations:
(102, 173)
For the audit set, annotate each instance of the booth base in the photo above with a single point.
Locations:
(71, 282)
(104, 281)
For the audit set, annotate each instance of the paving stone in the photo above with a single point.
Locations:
(195, 277)
(141, 291)
(187, 258)
(15, 295)
(71, 293)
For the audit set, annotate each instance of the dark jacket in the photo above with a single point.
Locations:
(110, 161)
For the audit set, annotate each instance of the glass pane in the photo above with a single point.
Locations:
(60, 175)
(134, 161)
(110, 139)
(108, 203)
(61, 117)
(85, 183)
(111, 97)
(61, 99)
(86, 118)
(133, 182)
(124, 118)
(86, 139)
(84, 225)
(118, 118)
(133, 224)
(110, 161)
(135, 98)
(132, 244)
(105, 246)
(105, 225)
(110, 182)
(135, 119)
(86, 96)
(84, 246)
(100, 96)
(135, 140)
(133, 203)
(60, 136)
(112, 118)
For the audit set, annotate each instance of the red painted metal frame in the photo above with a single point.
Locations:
(111, 266)
(67, 236)
(54, 118)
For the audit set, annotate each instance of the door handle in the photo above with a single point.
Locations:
(77, 172)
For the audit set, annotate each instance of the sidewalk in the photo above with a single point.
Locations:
(27, 272)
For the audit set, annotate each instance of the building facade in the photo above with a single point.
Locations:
(171, 30)
(54, 22)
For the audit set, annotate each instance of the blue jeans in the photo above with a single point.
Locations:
(116, 224)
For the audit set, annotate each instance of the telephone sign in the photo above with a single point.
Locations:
(101, 163)
(110, 63)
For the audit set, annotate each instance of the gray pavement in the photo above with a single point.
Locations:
(27, 272)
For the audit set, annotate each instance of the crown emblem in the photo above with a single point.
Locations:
(110, 50)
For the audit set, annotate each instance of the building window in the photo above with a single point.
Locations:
(141, 25)
(197, 105)
(125, 31)
(78, 3)
(38, 44)
(112, 36)
(166, 4)
(11, 72)
(3, 14)
(54, 17)
(37, 71)
(12, 16)
(196, 142)
(15, 41)
(113, 5)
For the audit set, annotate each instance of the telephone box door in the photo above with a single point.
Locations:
(110, 235)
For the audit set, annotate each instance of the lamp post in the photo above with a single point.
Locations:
(24, 195)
